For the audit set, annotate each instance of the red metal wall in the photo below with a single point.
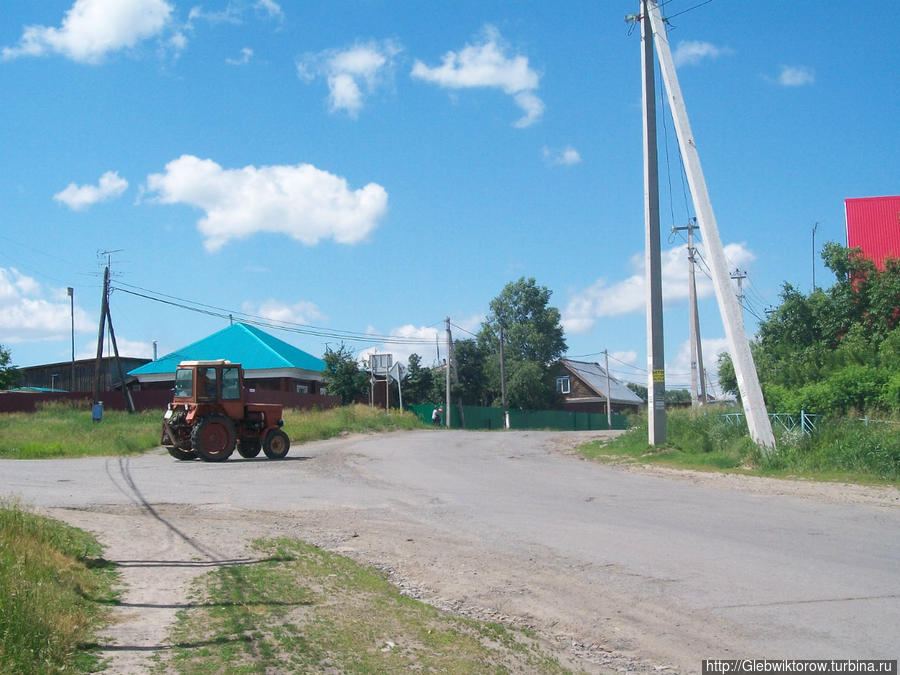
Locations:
(873, 224)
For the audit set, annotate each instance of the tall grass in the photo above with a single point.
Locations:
(60, 430)
(53, 594)
(312, 425)
(838, 449)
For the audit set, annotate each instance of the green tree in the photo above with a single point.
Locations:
(638, 389)
(533, 340)
(835, 349)
(418, 383)
(342, 374)
(9, 376)
(531, 326)
(470, 364)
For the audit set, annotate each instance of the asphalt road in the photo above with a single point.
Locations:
(663, 569)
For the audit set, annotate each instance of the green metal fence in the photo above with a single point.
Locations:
(477, 417)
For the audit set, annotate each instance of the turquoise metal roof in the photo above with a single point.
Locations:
(239, 343)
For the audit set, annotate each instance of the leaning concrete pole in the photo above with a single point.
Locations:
(744, 369)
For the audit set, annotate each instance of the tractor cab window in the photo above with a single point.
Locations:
(206, 382)
(231, 384)
(184, 383)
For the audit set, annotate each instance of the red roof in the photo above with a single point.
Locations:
(873, 224)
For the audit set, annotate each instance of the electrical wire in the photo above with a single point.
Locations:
(263, 322)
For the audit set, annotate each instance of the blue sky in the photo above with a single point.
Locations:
(369, 168)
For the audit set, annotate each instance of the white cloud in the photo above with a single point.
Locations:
(301, 201)
(486, 65)
(692, 52)
(92, 28)
(602, 299)
(351, 73)
(246, 55)
(565, 157)
(796, 76)
(302, 312)
(77, 198)
(30, 312)
(270, 7)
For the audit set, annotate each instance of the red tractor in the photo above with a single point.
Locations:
(209, 415)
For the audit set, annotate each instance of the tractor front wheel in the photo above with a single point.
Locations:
(249, 447)
(183, 455)
(277, 444)
(213, 438)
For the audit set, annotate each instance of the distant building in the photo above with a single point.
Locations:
(58, 376)
(269, 364)
(873, 225)
(582, 386)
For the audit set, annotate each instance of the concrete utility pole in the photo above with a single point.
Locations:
(503, 382)
(744, 369)
(696, 344)
(447, 373)
(656, 374)
(739, 276)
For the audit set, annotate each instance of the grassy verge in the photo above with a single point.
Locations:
(844, 450)
(315, 425)
(59, 430)
(302, 609)
(53, 594)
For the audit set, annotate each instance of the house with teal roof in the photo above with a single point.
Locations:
(269, 363)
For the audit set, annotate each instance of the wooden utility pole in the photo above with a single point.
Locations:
(656, 374)
(71, 293)
(103, 307)
(608, 393)
(744, 369)
(106, 318)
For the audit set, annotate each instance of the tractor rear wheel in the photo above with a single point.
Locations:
(249, 447)
(183, 455)
(213, 438)
(277, 444)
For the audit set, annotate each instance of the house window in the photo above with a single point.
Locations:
(302, 389)
(563, 384)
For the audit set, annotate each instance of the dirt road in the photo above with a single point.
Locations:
(618, 569)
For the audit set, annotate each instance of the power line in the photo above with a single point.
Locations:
(263, 322)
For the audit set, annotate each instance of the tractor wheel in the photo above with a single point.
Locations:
(183, 455)
(249, 447)
(277, 444)
(213, 438)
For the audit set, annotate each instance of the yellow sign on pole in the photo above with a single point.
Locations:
(659, 375)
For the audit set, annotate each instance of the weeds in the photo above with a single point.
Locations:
(302, 609)
(839, 449)
(53, 594)
(67, 430)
